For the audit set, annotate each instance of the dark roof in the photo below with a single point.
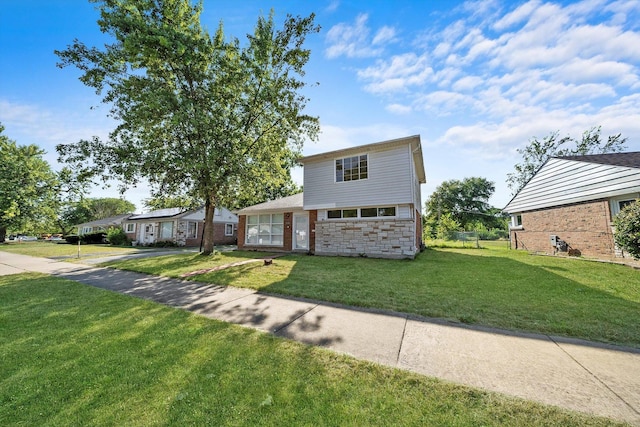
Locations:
(112, 220)
(630, 160)
(161, 213)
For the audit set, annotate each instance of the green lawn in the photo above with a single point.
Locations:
(76, 355)
(493, 286)
(54, 249)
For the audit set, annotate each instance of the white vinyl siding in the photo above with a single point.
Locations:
(389, 182)
(562, 181)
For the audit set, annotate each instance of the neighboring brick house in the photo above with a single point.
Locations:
(360, 201)
(182, 227)
(102, 225)
(570, 203)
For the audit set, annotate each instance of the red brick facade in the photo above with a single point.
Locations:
(586, 227)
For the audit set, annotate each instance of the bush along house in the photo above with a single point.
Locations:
(180, 227)
(570, 203)
(360, 201)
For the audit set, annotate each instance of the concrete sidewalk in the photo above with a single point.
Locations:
(578, 375)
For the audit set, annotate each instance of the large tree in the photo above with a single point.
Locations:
(28, 187)
(537, 152)
(463, 201)
(199, 115)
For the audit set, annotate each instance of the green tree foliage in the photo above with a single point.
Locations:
(28, 187)
(446, 226)
(198, 114)
(465, 201)
(89, 209)
(166, 202)
(627, 229)
(106, 207)
(537, 152)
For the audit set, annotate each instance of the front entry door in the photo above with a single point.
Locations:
(301, 232)
(148, 234)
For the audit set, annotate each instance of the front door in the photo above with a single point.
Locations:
(300, 232)
(148, 234)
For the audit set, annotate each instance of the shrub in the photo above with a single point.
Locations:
(117, 236)
(446, 226)
(627, 234)
(93, 238)
(73, 239)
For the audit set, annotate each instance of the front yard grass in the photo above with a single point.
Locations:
(76, 355)
(54, 249)
(493, 287)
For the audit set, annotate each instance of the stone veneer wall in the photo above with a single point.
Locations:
(584, 226)
(376, 238)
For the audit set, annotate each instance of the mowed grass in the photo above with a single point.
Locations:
(493, 286)
(76, 355)
(54, 249)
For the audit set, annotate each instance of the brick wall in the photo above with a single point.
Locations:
(585, 227)
(377, 238)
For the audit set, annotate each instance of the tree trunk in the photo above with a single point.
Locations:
(209, 211)
(3, 234)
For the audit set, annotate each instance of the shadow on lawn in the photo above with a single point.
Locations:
(92, 357)
(240, 306)
(483, 291)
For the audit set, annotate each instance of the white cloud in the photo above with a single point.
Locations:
(401, 72)
(384, 35)
(399, 109)
(353, 40)
(490, 79)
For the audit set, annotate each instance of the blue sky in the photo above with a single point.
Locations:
(476, 79)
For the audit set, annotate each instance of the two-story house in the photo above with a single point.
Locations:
(360, 201)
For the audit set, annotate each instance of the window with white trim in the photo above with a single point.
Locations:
(228, 229)
(166, 230)
(192, 230)
(352, 168)
(377, 212)
(265, 229)
(130, 227)
(87, 230)
(516, 221)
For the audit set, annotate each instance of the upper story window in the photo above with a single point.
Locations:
(352, 168)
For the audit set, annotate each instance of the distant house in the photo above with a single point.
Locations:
(570, 204)
(101, 225)
(360, 201)
(181, 227)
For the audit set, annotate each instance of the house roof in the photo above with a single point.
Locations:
(109, 221)
(160, 213)
(413, 140)
(631, 159)
(282, 204)
(574, 179)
